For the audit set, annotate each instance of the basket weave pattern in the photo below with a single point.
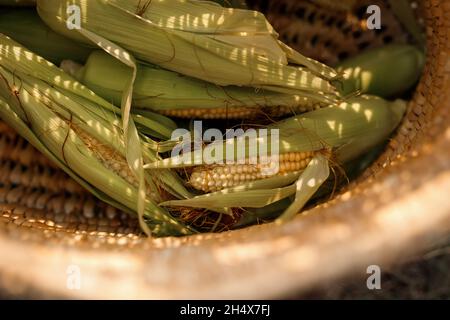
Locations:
(398, 207)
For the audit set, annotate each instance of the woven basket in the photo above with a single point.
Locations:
(52, 233)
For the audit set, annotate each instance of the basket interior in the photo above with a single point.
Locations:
(39, 203)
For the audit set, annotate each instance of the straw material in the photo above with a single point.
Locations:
(396, 209)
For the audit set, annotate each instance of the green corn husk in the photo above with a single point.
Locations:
(351, 170)
(83, 133)
(348, 131)
(199, 39)
(150, 124)
(25, 26)
(162, 90)
(386, 71)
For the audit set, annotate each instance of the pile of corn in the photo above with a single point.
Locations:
(101, 86)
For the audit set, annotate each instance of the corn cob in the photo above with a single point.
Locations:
(343, 5)
(386, 71)
(80, 132)
(173, 95)
(260, 215)
(239, 48)
(243, 112)
(29, 30)
(69, 214)
(307, 143)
